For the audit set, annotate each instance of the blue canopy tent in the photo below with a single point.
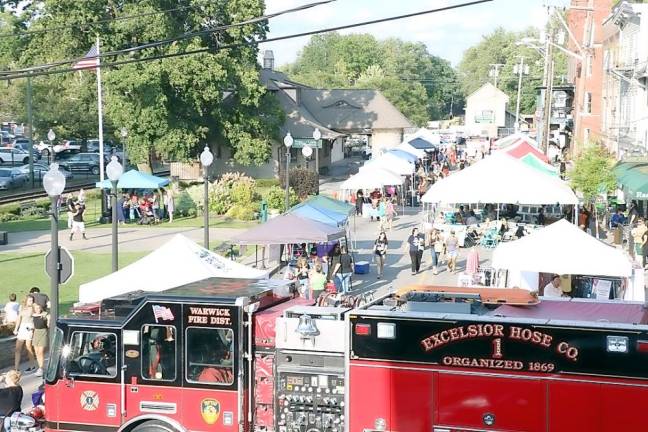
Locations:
(134, 179)
(421, 144)
(319, 214)
(404, 155)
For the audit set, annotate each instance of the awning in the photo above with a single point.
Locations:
(389, 162)
(319, 214)
(134, 179)
(562, 248)
(407, 147)
(522, 148)
(633, 176)
(421, 144)
(371, 179)
(535, 163)
(404, 155)
(178, 262)
(500, 178)
(288, 229)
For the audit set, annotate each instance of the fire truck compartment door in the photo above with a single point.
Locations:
(491, 403)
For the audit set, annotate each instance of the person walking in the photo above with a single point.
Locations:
(380, 252)
(416, 244)
(452, 249)
(69, 203)
(334, 265)
(359, 202)
(78, 224)
(24, 332)
(41, 325)
(317, 280)
(120, 209)
(302, 274)
(390, 213)
(437, 247)
(169, 203)
(345, 271)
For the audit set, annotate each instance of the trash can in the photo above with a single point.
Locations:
(263, 211)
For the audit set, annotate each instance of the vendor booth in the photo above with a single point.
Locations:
(409, 148)
(595, 269)
(178, 262)
(390, 162)
(503, 179)
(289, 229)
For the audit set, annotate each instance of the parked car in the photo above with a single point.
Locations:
(11, 179)
(40, 169)
(5, 137)
(88, 162)
(92, 145)
(13, 155)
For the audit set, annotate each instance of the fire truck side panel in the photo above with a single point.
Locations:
(222, 417)
(624, 407)
(369, 396)
(575, 406)
(85, 406)
(515, 404)
(412, 399)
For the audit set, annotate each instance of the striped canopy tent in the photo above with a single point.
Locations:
(534, 162)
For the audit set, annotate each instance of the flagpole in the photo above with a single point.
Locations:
(100, 111)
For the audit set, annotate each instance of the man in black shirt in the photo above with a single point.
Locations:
(78, 224)
(40, 298)
(10, 396)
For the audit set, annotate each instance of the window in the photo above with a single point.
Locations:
(210, 356)
(158, 352)
(93, 354)
(590, 61)
(588, 103)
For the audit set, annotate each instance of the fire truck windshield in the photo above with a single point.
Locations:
(209, 356)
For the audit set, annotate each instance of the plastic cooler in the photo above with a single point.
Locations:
(361, 267)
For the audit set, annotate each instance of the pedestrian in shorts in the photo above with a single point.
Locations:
(78, 223)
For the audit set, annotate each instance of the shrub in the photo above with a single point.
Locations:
(304, 182)
(244, 192)
(185, 205)
(276, 198)
(6, 217)
(245, 212)
(266, 183)
(12, 208)
(220, 198)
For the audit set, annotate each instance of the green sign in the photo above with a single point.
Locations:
(302, 142)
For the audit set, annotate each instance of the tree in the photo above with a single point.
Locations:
(503, 47)
(592, 173)
(421, 85)
(171, 107)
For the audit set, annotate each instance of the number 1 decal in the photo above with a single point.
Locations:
(497, 348)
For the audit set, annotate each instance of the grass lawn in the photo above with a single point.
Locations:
(19, 272)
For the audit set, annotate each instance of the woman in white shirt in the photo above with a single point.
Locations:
(552, 289)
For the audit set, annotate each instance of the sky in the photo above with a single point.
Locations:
(447, 34)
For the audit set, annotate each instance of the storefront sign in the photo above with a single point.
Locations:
(209, 315)
(301, 142)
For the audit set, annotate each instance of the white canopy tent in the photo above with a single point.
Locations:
(428, 135)
(371, 179)
(409, 148)
(178, 262)
(390, 162)
(500, 179)
(562, 248)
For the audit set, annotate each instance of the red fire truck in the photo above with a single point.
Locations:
(243, 355)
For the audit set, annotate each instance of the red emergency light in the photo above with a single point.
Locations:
(363, 329)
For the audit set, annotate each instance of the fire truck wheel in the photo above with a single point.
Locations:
(153, 426)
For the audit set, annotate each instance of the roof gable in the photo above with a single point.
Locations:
(488, 90)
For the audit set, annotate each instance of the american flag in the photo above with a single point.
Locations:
(89, 61)
(162, 313)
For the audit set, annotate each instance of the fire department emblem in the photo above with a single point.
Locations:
(210, 410)
(89, 400)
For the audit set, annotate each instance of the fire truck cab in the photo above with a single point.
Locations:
(170, 361)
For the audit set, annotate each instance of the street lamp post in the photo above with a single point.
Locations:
(307, 152)
(124, 135)
(54, 184)
(288, 142)
(206, 159)
(114, 170)
(51, 136)
(520, 69)
(317, 136)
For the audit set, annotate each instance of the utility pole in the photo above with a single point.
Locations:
(495, 70)
(548, 85)
(520, 69)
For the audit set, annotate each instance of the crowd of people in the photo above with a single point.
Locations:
(145, 208)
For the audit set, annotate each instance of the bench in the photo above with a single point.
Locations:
(29, 208)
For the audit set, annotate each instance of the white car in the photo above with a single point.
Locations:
(67, 145)
(13, 156)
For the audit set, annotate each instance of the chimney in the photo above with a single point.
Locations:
(268, 60)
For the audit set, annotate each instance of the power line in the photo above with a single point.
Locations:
(31, 71)
(177, 38)
(93, 23)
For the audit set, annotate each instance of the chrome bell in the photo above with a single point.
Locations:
(306, 327)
